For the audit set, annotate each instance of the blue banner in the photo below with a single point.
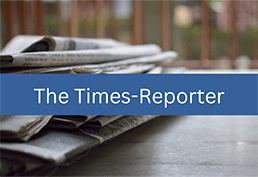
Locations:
(128, 94)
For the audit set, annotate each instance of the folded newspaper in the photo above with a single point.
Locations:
(156, 59)
(52, 148)
(31, 43)
(101, 121)
(68, 122)
(21, 128)
(36, 145)
(64, 58)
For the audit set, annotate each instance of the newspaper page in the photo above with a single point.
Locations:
(21, 128)
(70, 70)
(174, 70)
(62, 58)
(156, 70)
(34, 43)
(132, 69)
(101, 121)
(68, 122)
(18, 43)
(54, 43)
(117, 127)
(157, 58)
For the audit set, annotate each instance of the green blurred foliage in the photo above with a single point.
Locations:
(51, 24)
(90, 23)
(193, 31)
(219, 42)
(247, 42)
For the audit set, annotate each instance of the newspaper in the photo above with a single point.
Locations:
(21, 128)
(132, 69)
(156, 70)
(158, 58)
(116, 128)
(64, 58)
(174, 70)
(18, 43)
(34, 43)
(101, 121)
(72, 71)
(54, 43)
(68, 122)
(52, 148)
(69, 137)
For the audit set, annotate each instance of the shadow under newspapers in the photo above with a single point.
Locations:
(52, 147)
(38, 144)
(126, 154)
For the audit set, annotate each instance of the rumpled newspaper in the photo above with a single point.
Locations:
(101, 121)
(34, 43)
(21, 128)
(78, 57)
(54, 43)
(117, 127)
(68, 122)
(105, 67)
(65, 138)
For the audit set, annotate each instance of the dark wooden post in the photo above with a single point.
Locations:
(38, 14)
(8, 14)
(165, 30)
(137, 22)
(23, 16)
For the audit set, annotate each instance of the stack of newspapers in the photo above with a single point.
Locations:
(38, 144)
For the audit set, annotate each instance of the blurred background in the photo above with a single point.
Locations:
(206, 34)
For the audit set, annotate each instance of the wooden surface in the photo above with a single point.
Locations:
(211, 64)
(177, 145)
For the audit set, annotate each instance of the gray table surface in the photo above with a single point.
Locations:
(177, 145)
